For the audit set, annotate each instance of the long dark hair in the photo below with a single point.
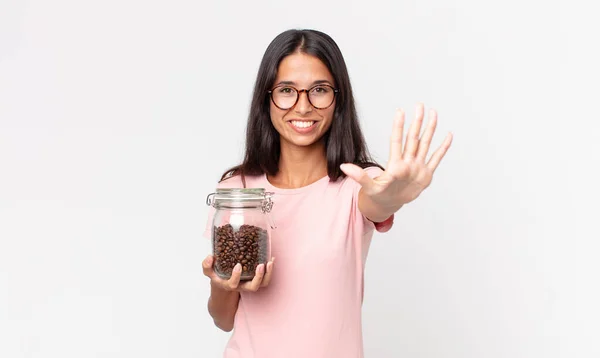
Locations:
(344, 141)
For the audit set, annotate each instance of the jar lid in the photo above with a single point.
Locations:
(242, 195)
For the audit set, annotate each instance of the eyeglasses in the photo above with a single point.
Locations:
(319, 96)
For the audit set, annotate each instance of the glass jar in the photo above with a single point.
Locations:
(241, 230)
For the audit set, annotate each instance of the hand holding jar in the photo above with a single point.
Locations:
(260, 279)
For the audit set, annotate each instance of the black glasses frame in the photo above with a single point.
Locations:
(299, 92)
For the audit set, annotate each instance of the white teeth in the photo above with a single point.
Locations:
(302, 124)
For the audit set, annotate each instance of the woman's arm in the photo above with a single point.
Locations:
(222, 306)
(225, 294)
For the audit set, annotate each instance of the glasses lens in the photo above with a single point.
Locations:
(321, 96)
(284, 97)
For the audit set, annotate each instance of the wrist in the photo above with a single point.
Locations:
(219, 291)
(375, 211)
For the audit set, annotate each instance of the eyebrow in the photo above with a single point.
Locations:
(318, 82)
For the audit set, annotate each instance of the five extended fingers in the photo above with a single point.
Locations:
(416, 146)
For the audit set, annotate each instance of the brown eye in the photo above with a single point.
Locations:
(321, 90)
(285, 90)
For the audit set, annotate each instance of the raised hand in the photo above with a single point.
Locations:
(408, 171)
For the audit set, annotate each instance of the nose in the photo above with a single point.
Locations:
(303, 106)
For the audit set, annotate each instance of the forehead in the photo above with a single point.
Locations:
(302, 69)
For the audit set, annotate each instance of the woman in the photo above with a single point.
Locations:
(304, 143)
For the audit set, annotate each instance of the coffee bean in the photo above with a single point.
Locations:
(248, 246)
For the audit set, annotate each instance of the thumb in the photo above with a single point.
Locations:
(207, 266)
(358, 174)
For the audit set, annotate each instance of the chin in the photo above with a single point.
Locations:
(303, 142)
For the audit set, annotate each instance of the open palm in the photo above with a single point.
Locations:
(408, 172)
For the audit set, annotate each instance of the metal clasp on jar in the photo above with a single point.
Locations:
(209, 200)
(266, 207)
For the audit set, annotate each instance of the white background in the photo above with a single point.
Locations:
(118, 117)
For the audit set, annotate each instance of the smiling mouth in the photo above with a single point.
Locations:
(302, 124)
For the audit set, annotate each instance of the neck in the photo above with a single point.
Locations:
(300, 166)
